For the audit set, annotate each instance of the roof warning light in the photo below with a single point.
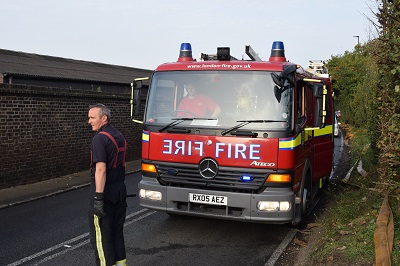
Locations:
(278, 52)
(185, 53)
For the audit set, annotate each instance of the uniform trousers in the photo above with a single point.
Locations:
(106, 233)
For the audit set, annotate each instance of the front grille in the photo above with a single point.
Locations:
(227, 179)
(209, 209)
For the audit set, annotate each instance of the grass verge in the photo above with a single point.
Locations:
(349, 221)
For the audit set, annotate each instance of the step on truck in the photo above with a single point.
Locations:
(254, 143)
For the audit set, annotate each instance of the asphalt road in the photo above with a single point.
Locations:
(54, 231)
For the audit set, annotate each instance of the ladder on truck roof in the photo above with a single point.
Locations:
(223, 53)
(317, 67)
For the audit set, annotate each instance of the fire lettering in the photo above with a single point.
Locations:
(253, 151)
(167, 146)
(181, 147)
(239, 150)
(221, 149)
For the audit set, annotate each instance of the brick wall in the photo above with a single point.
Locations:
(44, 131)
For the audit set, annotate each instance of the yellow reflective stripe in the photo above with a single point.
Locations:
(323, 131)
(290, 144)
(99, 243)
(145, 136)
(120, 263)
(312, 80)
(294, 142)
(307, 135)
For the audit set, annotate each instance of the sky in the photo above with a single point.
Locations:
(147, 33)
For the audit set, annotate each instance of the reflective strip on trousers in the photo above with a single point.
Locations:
(120, 263)
(99, 242)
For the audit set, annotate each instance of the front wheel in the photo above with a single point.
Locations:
(304, 207)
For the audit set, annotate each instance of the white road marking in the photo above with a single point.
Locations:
(71, 247)
(43, 252)
(279, 250)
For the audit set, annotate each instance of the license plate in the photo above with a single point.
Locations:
(208, 199)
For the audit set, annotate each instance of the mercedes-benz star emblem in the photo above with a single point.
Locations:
(208, 168)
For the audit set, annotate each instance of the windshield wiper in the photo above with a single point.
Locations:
(177, 121)
(245, 122)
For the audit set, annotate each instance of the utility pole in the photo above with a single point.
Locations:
(358, 39)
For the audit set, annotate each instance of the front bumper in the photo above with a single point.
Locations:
(240, 206)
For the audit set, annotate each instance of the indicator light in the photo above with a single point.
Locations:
(279, 178)
(149, 168)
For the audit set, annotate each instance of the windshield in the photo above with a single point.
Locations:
(218, 99)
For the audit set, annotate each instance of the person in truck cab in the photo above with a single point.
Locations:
(197, 105)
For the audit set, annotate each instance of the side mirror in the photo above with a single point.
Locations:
(278, 93)
(279, 80)
(287, 70)
(135, 101)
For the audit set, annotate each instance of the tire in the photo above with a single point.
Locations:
(305, 207)
(306, 199)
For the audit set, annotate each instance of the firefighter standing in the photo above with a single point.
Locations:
(107, 209)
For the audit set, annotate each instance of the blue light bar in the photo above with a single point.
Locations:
(186, 46)
(278, 45)
(277, 52)
(185, 53)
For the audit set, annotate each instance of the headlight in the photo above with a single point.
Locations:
(273, 206)
(150, 194)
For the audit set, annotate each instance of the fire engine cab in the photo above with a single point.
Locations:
(245, 140)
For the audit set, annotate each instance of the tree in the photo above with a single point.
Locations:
(387, 56)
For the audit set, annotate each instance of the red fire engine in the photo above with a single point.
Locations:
(253, 143)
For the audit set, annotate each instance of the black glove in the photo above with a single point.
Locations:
(99, 205)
